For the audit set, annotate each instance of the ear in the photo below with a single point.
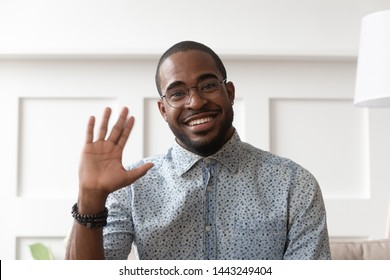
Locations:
(161, 107)
(230, 90)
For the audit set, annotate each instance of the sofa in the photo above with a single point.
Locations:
(361, 250)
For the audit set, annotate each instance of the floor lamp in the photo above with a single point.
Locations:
(373, 67)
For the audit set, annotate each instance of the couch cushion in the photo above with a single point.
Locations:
(361, 250)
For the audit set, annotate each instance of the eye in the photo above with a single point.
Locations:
(209, 86)
(176, 94)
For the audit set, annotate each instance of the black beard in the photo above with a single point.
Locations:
(210, 147)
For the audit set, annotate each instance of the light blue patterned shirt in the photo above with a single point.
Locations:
(240, 203)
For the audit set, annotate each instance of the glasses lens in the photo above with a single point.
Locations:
(210, 88)
(177, 96)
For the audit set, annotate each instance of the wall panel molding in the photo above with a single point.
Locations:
(327, 136)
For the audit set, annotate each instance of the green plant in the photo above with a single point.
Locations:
(41, 252)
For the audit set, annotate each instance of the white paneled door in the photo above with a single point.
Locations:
(297, 108)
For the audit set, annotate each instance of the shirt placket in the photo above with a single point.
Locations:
(209, 227)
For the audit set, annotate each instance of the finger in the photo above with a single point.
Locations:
(126, 132)
(90, 127)
(138, 172)
(117, 130)
(104, 124)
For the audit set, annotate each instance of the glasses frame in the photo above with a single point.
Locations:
(197, 92)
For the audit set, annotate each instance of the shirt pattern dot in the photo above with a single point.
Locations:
(240, 203)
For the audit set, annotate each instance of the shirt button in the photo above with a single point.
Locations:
(206, 160)
(209, 188)
(208, 228)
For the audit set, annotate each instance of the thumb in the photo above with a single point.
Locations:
(138, 172)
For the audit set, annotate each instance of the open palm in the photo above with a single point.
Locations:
(101, 168)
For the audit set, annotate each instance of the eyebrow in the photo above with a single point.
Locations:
(199, 79)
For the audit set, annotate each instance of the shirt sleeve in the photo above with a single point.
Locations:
(307, 229)
(118, 233)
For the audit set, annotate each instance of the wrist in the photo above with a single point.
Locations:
(91, 202)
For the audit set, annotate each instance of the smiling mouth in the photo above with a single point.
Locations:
(200, 121)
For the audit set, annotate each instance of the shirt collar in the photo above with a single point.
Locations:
(228, 155)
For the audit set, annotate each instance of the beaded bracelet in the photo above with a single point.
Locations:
(95, 221)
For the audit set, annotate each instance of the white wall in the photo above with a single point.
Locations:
(293, 63)
(307, 27)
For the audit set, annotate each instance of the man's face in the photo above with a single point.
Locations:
(201, 126)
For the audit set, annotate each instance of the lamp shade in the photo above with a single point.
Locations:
(372, 87)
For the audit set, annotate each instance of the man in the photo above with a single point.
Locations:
(211, 196)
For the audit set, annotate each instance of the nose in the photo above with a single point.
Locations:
(195, 100)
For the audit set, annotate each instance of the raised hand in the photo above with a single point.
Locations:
(101, 171)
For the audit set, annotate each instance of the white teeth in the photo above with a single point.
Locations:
(199, 121)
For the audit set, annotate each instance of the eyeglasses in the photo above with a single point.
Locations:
(208, 89)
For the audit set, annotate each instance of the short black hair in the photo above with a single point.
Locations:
(188, 46)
